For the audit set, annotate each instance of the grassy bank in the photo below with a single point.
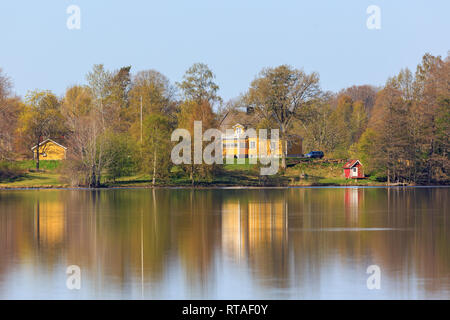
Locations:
(298, 173)
(28, 177)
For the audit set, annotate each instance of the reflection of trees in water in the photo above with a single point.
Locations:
(283, 236)
(415, 239)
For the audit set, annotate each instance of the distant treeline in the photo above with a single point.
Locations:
(120, 123)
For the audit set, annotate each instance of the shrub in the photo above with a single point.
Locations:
(10, 171)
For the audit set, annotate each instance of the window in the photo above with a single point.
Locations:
(252, 144)
(354, 169)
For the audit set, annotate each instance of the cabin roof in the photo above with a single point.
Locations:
(351, 163)
(46, 141)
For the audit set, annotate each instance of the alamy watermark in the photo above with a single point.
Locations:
(74, 20)
(374, 20)
(374, 280)
(73, 281)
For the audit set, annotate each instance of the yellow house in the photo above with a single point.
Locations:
(235, 144)
(50, 150)
(239, 144)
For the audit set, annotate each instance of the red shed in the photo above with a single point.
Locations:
(353, 170)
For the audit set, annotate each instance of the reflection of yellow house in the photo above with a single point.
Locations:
(256, 225)
(241, 143)
(266, 222)
(50, 222)
(50, 150)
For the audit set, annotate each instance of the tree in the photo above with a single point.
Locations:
(315, 125)
(432, 106)
(191, 111)
(280, 93)
(365, 93)
(77, 102)
(359, 120)
(157, 144)
(200, 93)
(120, 152)
(5, 86)
(349, 121)
(90, 113)
(41, 118)
(118, 101)
(392, 145)
(89, 135)
(198, 85)
(10, 109)
(365, 150)
(408, 134)
(153, 92)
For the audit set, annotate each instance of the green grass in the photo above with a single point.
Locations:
(48, 176)
(43, 164)
(34, 179)
(237, 166)
(298, 173)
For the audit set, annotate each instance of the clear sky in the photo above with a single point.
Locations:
(236, 38)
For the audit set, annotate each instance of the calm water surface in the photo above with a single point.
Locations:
(299, 243)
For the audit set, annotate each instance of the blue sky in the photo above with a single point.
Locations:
(236, 38)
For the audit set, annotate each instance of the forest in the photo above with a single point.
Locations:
(119, 123)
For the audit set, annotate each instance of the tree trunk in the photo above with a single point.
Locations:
(283, 148)
(154, 166)
(93, 178)
(37, 154)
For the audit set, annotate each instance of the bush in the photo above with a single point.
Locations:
(121, 156)
(10, 171)
(378, 177)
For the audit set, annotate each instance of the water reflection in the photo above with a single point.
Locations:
(259, 243)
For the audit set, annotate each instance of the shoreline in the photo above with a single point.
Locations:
(218, 187)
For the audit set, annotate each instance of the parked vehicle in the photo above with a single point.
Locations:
(315, 155)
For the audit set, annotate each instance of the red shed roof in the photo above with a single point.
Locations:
(350, 164)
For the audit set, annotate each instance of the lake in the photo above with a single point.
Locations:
(290, 243)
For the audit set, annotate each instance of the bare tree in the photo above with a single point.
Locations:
(280, 93)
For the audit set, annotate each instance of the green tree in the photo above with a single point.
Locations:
(120, 152)
(157, 146)
(152, 92)
(365, 150)
(198, 85)
(41, 118)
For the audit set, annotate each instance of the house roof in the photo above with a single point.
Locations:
(234, 117)
(350, 164)
(48, 140)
